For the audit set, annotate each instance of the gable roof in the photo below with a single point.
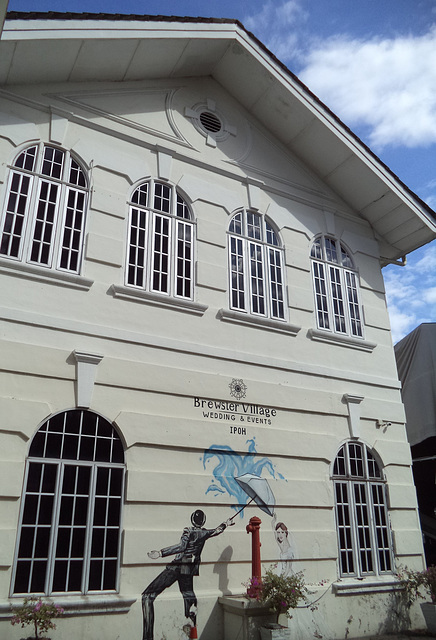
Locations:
(57, 47)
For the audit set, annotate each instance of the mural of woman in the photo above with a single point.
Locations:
(286, 546)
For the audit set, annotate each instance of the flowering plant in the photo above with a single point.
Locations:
(277, 592)
(35, 611)
(415, 581)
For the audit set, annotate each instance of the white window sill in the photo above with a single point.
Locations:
(157, 299)
(341, 340)
(353, 586)
(255, 321)
(42, 274)
(78, 605)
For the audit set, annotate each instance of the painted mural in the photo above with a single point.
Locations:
(230, 465)
(182, 570)
(238, 475)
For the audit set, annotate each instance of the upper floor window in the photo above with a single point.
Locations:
(161, 236)
(336, 288)
(255, 266)
(69, 534)
(364, 537)
(44, 218)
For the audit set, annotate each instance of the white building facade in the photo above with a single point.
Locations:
(190, 255)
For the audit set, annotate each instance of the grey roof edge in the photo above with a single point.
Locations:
(58, 15)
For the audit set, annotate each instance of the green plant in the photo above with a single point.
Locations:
(277, 592)
(415, 582)
(38, 613)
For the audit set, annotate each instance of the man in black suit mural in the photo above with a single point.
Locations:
(182, 569)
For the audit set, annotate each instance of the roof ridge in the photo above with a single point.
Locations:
(68, 15)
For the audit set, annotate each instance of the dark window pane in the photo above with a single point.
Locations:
(114, 511)
(34, 477)
(78, 543)
(102, 481)
(100, 511)
(95, 572)
(30, 509)
(42, 541)
(60, 575)
(49, 478)
(112, 542)
(22, 577)
(69, 481)
(97, 543)
(53, 447)
(45, 510)
(26, 542)
(63, 543)
(86, 448)
(81, 511)
(110, 572)
(84, 474)
(116, 482)
(66, 511)
(37, 582)
(103, 450)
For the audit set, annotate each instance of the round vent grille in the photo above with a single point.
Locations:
(210, 122)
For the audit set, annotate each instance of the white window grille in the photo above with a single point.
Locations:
(69, 534)
(364, 537)
(255, 266)
(161, 241)
(44, 218)
(336, 288)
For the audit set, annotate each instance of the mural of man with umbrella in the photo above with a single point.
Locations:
(182, 569)
(187, 554)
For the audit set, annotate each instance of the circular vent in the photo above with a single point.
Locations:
(210, 122)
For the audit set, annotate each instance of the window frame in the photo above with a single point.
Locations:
(336, 290)
(176, 251)
(248, 250)
(60, 243)
(91, 528)
(363, 528)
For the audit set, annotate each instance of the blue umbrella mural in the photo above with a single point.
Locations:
(230, 466)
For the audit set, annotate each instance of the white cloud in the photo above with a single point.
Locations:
(386, 84)
(411, 292)
(275, 25)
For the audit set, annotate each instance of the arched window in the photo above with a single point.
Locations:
(44, 218)
(255, 266)
(336, 288)
(364, 537)
(161, 236)
(70, 521)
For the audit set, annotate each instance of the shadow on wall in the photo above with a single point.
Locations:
(214, 626)
(221, 568)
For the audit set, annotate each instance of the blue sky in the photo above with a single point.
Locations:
(373, 62)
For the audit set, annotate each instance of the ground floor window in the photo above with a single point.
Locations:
(364, 537)
(70, 520)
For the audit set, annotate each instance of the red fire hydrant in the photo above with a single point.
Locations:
(253, 527)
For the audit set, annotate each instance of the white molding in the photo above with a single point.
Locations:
(86, 369)
(77, 605)
(341, 340)
(76, 327)
(157, 299)
(359, 587)
(33, 272)
(353, 403)
(258, 322)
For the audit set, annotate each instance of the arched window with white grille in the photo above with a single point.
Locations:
(160, 252)
(336, 288)
(69, 533)
(256, 271)
(362, 521)
(43, 222)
